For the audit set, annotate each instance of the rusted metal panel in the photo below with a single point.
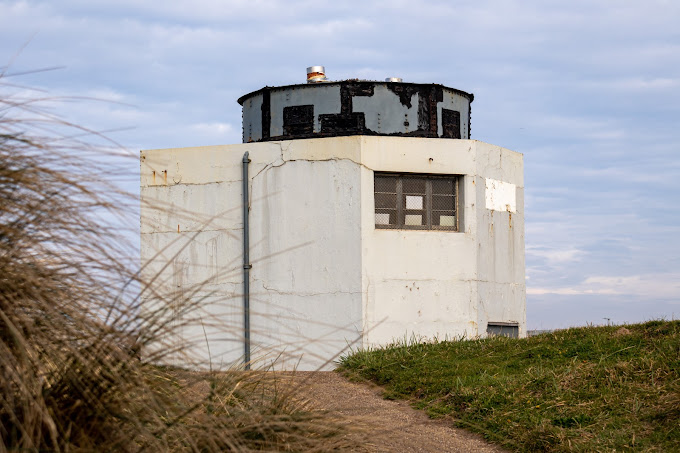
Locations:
(298, 120)
(355, 107)
(266, 115)
(450, 123)
(252, 119)
(324, 97)
(454, 102)
(401, 110)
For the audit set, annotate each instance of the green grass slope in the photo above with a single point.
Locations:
(582, 389)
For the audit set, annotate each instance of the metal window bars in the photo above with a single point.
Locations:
(417, 202)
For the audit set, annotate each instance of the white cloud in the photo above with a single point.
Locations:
(214, 129)
(568, 291)
(638, 84)
(644, 286)
(588, 90)
(326, 29)
(555, 256)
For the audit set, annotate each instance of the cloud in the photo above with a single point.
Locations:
(568, 291)
(326, 29)
(638, 84)
(644, 286)
(556, 256)
(213, 133)
(587, 90)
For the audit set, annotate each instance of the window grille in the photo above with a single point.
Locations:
(417, 202)
(503, 329)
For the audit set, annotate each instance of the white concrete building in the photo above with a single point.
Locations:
(354, 241)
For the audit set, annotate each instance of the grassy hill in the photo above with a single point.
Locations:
(582, 389)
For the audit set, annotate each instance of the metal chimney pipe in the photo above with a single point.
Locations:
(316, 74)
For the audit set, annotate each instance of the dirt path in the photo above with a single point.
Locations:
(393, 426)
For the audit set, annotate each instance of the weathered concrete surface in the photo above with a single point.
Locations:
(440, 283)
(323, 276)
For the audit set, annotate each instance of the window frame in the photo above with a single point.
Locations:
(427, 209)
(502, 329)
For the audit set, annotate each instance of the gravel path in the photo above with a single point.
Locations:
(392, 426)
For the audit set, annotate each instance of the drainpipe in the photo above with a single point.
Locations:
(246, 265)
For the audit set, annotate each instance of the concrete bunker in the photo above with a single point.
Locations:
(372, 216)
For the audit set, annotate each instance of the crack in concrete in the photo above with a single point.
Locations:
(283, 161)
(292, 293)
(200, 230)
(181, 184)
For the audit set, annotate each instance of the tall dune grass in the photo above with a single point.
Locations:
(72, 323)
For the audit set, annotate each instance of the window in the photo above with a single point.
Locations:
(503, 329)
(416, 202)
(450, 123)
(298, 120)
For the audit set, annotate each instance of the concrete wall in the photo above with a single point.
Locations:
(441, 283)
(306, 256)
(305, 248)
(500, 237)
(323, 277)
(420, 283)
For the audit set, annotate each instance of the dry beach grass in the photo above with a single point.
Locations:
(81, 352)
(73, 320)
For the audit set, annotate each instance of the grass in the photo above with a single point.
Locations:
(581, 389)
(73, 317)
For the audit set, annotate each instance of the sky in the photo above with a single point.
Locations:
(588, 91)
